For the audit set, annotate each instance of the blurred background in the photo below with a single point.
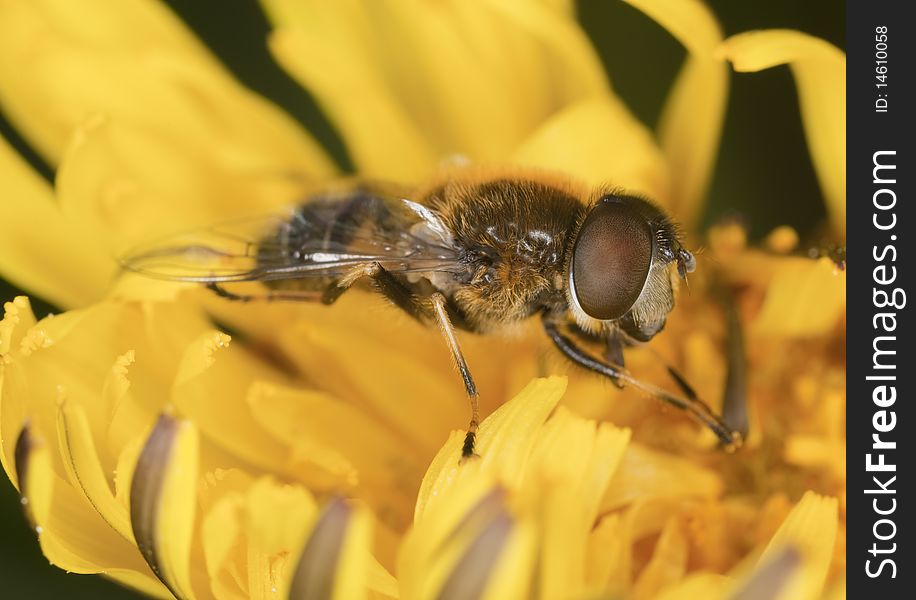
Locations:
(762, 125)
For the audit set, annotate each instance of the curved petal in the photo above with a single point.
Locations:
(135, 61)
(820, 74)
(212, 389)
(337, 447)
(601, 142)
(126, 186)
(275, 520)
(71, 534)
(698, 585)
(464, 542)
(335, 561)
(416, 83)
(668, 563)
(571, 464)
(17, 319)
(84, 469)
(41, 249)
(648, 473)
(810, 530)
(804, 298)
(691, 122)
(504, 442)
(380, 136)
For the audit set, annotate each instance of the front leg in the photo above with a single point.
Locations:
(692, 404)
(613, 347)
(614, 344)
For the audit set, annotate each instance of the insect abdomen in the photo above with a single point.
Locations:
(352, 223)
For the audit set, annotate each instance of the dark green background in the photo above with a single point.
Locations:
(764, 173)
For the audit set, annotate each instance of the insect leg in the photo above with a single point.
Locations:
(448, 332)
(386, 284)
(613, 347)
(692, 404)
(271, 296)
(393, 289)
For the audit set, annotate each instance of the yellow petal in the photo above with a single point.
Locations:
(354, 562)
(71, 534)
(668, 563)
(366, 379)
(219, 533)
(580, 452)
(708, 586)
(571, 463)
(810, 530)
(499, 67)
(214, 393)
(71, 356)
(600, 142)
(817, 452)
(380, 137)
(346, 446)
(564, 6)
(820, 74)
(648, 473)
(458, 544)
(140, 582)
(573, 67)
(128, 186)
(222, 533)
(771, 576)
(33, 476)
(508, 578)
(84, 469)
(804, 298)
(278, 515)
(837, 591)
(163, 502)
(334, 563)
(504, 442)
(125, 419)
(607, 555)
(318, 342)
(43, 369)
(136, 62)
(691, 122)
(494, 565)
(41, 250)
(277, 518)
(17, 319)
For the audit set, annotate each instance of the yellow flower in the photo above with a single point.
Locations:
(314, 456)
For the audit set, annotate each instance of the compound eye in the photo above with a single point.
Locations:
(611, 259)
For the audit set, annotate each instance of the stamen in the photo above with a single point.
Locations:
(768, 581)
(469, 579)
(734, 403)
(317, 567)
(162, 503)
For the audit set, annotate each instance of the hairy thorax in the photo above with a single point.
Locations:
(514, 229)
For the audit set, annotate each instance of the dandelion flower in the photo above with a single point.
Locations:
(312, 451)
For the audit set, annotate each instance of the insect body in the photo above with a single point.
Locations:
(477, 250)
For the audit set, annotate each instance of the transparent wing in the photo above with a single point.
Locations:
(325, 237)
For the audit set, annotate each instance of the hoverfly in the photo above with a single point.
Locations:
(477, 250)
